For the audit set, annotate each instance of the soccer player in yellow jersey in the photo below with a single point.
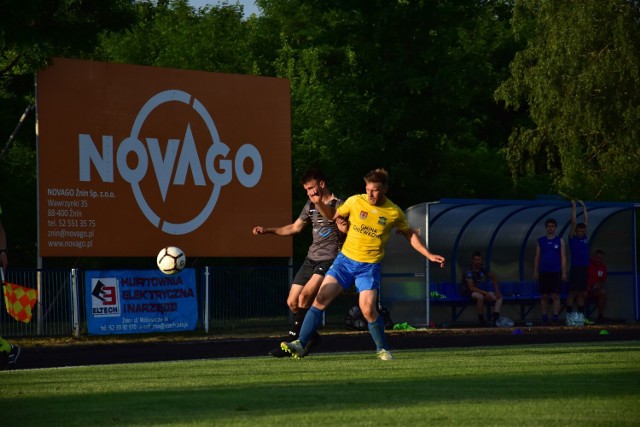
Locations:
(371, 218)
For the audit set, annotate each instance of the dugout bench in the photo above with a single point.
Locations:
(524, 294)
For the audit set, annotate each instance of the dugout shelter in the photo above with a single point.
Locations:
(505, 232)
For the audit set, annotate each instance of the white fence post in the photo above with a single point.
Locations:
(40, 324)
(205, 317)
(74, 301)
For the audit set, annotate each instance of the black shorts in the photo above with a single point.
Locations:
(578, 278)
(309, 268)
(549, 283)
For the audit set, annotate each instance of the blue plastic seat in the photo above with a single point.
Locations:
(528, 290)
(506, 289)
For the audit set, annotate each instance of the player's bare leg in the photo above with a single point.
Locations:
(368, 302)
(329, 290)
(292, 302)
(479, 307)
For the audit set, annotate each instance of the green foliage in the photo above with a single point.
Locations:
(579, 81)
(34, 31)
(410, 86)
(31, 33)
(17, 189)
(173, 34)
(398, 85)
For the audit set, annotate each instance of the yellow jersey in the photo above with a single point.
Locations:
(369, 227)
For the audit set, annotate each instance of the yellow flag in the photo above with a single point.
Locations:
(19, 301)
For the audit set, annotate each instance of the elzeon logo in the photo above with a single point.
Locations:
(105, 301)
(180, 161)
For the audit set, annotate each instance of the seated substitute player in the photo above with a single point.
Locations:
(371, 218)
(327, 239)
(474, 285)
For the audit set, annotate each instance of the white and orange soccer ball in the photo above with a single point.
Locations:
(171, 260)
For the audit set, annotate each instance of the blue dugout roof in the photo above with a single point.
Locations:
(505, 232)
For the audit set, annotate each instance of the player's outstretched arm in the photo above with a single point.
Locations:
(574, 221)
(417, 244)
(285, 230)
(584, 213)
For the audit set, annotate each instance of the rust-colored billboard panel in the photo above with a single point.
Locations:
(135, 158)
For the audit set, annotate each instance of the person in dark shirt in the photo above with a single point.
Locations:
(550, 269)
(327, 240)
(597, 280)
(475, 285)
(579, 245)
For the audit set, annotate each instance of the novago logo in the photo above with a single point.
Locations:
(179, 160)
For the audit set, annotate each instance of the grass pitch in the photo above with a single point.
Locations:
(569, 384)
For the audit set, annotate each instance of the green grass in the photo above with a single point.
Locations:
(566, 384)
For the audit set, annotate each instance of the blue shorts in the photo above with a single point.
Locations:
(365, 275)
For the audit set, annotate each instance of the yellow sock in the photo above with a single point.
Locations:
(4, 345)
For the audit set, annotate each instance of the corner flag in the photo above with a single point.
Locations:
(19, 301)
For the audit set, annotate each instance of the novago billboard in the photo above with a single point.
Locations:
(134, 158)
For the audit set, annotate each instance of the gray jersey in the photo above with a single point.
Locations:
(327, 239)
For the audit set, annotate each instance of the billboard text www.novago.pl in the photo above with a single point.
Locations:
(181, 159)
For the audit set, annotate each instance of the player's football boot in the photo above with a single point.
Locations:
(295, 348)
(384, 355)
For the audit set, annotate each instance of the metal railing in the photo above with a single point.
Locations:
(53, 315)
(230, 298)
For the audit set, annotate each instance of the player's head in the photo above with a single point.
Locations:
(376, 184)
(311, 174)
(550, 225)
(313, 181)
(581, 229)
(476, 259)
(598, 256)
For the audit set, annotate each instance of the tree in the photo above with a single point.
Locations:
(31, 33)
(579, 80)
(403, 85)
(174, 34)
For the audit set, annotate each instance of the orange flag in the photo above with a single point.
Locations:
(19, 301)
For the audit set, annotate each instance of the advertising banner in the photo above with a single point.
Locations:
(140, 301)
(134, 158)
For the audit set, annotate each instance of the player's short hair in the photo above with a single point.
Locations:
(379, 176)
(551, 221)
(312, 173)
(599, 252)
(581, 226)
(476, 253)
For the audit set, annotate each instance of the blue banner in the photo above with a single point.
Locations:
(140, 301)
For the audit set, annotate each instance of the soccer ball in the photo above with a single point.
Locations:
(171, 260)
